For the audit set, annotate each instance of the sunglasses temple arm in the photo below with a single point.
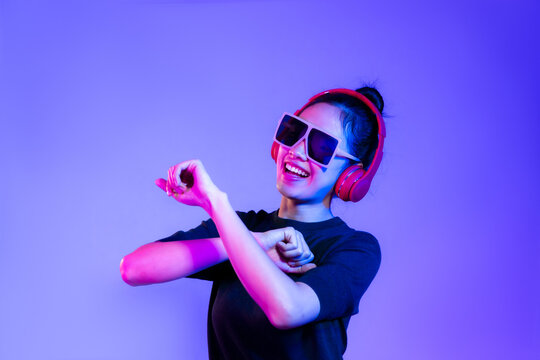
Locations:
(347, 155)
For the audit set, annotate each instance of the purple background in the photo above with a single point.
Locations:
(98, 99)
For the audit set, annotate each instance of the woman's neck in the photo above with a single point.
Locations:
(289, 209)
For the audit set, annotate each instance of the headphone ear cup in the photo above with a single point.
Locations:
(360, 188)
(351, 184)
(274, 150)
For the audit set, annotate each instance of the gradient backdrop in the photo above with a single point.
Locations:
(98, 99)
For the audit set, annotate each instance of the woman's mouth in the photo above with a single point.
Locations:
(293, 170)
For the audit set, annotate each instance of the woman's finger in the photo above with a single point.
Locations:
(291, 254)
(283, 246)
(168, 188)
(177, 193)
(304, 248)
(301, 261)
(306, 253)
(171, 176)
(181, 174)
(301, 269)
(302, 256)
(162, 184)
(299, 239)
(295, 248)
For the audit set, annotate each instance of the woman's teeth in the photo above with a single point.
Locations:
(296, 170)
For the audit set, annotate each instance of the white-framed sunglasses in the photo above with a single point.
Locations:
(322, 147)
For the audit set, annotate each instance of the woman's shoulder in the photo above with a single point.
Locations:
(364, 236)
(360, 239)
(368, 240)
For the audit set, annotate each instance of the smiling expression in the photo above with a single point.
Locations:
(301, 179)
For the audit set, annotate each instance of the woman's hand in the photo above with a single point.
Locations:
(189, 183)
(287, 249)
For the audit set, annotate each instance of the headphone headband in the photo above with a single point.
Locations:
(361, 97)
(381, 128)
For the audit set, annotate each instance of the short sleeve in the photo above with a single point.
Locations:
(206, 230)
(344, 275)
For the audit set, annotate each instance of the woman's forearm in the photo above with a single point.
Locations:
(158, 262)
(271, 289)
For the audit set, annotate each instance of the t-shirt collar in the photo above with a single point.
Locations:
(325, 224)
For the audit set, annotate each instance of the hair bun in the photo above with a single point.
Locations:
(373, 95)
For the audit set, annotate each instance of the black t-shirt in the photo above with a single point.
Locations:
(347, 261)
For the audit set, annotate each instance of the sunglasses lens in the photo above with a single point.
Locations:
(290, 130)
(321, 146)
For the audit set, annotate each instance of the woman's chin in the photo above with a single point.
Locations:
(289, 191)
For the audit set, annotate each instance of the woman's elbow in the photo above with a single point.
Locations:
(280, 322)
(127, 272)
(283, 319)
(296, 315)
(290, 322)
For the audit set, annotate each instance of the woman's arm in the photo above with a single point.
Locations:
(286, 303)
(159, 262)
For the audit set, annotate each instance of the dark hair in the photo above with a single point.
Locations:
(358, 121)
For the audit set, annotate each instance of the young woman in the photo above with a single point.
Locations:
(285, 283)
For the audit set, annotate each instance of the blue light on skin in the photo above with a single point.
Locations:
(308, 199)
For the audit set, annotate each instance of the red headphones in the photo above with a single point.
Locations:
(353, 183)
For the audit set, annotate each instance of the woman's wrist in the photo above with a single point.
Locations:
(214, 198)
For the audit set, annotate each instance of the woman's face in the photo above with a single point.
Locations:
(318, 185)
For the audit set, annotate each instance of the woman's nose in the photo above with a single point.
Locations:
(299, 149)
